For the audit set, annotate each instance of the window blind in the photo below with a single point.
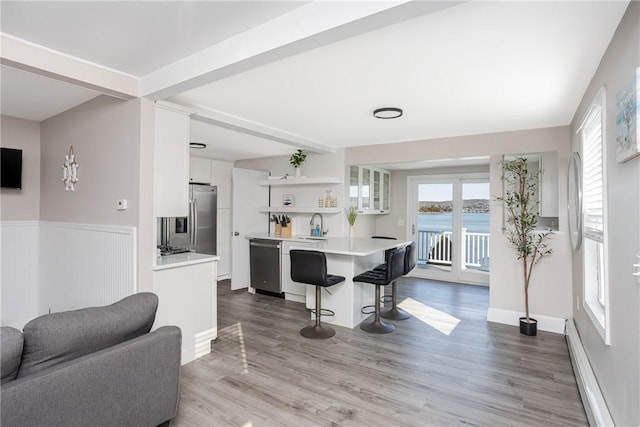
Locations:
(592, 173)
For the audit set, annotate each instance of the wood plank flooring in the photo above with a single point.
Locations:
(261, 372)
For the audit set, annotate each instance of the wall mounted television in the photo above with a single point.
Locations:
(11, 168)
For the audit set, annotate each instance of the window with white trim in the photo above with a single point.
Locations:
(594, 210)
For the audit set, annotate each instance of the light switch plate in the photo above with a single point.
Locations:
(121, 205)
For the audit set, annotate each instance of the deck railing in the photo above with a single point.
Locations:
(435, 247)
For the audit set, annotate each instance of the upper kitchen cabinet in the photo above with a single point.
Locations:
(370, 189)
(171, 163)
(199, 170)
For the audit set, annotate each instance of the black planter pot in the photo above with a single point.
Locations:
(529, 329)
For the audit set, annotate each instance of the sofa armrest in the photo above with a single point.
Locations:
(135, 383)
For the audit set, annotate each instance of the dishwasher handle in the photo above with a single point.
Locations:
(264, 245)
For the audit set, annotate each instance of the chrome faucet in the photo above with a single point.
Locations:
(322, 230)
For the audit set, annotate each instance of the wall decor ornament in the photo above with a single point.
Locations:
(70, 171)
(627, 117)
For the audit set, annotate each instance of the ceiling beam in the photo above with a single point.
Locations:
(36, 59)
(315, 24)
(238, 124)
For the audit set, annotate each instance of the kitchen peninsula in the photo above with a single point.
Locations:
(346, 257)
(186, 287)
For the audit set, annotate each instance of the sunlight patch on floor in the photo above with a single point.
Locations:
(234, 332)
(435, 318)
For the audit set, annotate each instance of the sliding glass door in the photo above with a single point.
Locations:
(448, 218)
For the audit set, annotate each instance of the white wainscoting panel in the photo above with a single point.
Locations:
(594, 404)
(84, 265)
(20, 270)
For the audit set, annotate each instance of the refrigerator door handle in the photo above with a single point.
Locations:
(190, 223)
(195, 224)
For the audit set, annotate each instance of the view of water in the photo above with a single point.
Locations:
(473, 222)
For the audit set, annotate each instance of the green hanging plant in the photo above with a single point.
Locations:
(298, 158)
(521, 209)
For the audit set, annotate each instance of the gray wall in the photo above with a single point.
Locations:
(105, 134)
(617, 367)
(22, 204)
(550, 292)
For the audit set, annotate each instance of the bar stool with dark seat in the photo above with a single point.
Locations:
(310, 267)
(379, 278)
(394, 313)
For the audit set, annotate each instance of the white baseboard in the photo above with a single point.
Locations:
(202, 345)
(509, 317)
(294, 297)
(592, 398)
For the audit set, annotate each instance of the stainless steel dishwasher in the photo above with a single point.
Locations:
(264, 256)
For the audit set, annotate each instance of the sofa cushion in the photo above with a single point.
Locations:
(59, 337)
(11, 342)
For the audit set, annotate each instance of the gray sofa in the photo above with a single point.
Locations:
(98, 366)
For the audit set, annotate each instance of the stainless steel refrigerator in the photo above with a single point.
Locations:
(198, 230)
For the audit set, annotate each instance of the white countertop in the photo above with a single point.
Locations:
(356, 246)
(288, 238)
(181, 260)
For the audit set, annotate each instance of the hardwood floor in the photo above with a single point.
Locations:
(261, 372)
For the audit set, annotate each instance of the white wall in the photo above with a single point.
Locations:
(616, 367)
(316, 166)
(22, 204)
(550, 292)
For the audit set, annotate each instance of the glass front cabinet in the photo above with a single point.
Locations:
(370, 189)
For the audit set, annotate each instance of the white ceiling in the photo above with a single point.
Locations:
(456, 68)
(33, 97)
(136, 37)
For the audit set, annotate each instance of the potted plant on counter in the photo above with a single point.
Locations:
(520, 202)
(352, 215)
(297, 159)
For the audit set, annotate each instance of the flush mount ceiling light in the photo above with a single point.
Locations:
(198, 145)
(387, 113)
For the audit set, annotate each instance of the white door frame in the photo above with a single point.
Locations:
(248, 197)
(456, 274)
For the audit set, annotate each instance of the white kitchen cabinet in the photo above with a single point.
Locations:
(221, 173)
(199, 170)
(370, 189)
(223, 243)
(171, 163)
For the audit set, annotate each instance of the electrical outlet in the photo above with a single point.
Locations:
(121, 205)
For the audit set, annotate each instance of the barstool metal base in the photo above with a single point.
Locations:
(317, 332)
(394, 314)
(377, 327)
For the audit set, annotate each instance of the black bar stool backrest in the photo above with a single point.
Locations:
(410, 258)
(395, 264)
(308, 267)
(387, 253)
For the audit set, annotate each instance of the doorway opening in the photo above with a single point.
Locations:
(448, 217)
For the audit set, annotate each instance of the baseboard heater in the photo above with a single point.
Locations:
(590, 393)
